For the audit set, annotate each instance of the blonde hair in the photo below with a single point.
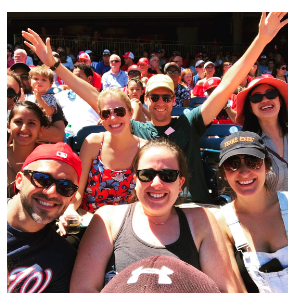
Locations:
(42, 70)
(113, 93)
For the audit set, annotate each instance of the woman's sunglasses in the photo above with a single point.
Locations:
(283, 68)
(233, 163)
(134, 73)
(166, 175)
(39, 179)
(167, 98)
(118, 111)
(256, 98)
(11, 93)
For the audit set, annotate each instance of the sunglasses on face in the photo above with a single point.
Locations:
(166, 175)
(118, 111)
(134, 73)
(283, 68)
(256, 98)
(200, 66)
(233, 163)
(173, 72)
(114, 61)
(12, 94)
(167, 98)
(39, 179)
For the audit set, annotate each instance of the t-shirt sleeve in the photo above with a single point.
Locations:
(196, 120)
(51, 101)
(59, 115)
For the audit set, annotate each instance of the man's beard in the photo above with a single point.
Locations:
(43, 216)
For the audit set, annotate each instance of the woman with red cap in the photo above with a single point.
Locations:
(263, 108)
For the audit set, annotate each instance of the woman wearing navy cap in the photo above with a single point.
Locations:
(255, 223)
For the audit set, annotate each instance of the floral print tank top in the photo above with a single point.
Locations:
(105, 186)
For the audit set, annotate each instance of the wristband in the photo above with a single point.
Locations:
(55, 65)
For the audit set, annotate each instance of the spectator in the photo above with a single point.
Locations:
(133, 71)
(279, 71)
(128, 60)
(70, 54)
(187, 130)
(13, 89)
(143, 63)
(26, 123)
(178, 60)
(251, 239)
(22, 70)
(104, 66)
(192, 65)
(93, 57)
(182, 93)
(255, 70)
(78, 112)
(161, 56)
(63, 59)
(200, 71)
(269, 69)
(39, 259)
(187, 78)
(154, 65)
(106, 179)
(224, 68)
(209, 70)
(10, 60)
(262, 108)
(161, 173)
(114, 78)
(263, 64)
(20, 56)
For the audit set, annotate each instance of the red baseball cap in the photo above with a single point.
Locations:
(210, 83)
(129, 54)
(199, 54)
(133, 67)
(58, 151)
(143, 61)
(84, 56)
(161, 274)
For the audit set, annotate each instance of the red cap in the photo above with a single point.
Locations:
(84, 56)
(212, 82)
(143, 61)
(198, 54)
(161, 274)
(129, 54)
(134, 67)
(58, 151)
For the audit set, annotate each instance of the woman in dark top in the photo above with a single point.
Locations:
(119, 236)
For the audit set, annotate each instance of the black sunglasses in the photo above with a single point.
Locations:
(114, 61)
(173, 72)
(166, 175)
(118, 111)
(200, 66)
(283, 68)
(167, 98)
(134, 73)
(256, 98)
(233, 163)
(39, 179)
(11, 93)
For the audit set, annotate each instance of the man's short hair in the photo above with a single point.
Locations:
(116, 56)
(86, 68)
(42, 70)
(23, 51)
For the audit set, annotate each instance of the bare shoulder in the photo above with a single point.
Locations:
(91, 144)
(94, 138)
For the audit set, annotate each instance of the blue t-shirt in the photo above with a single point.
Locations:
(101, 68)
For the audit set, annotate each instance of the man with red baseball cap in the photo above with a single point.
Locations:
(143, 63)
(39, 260)
(128, 60)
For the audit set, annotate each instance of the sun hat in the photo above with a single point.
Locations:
(160, 81)
(212, 82)
(242, 142)
(280, 85)
(161, 274)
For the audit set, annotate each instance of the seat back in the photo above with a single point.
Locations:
(78, 139)
(178, 111)
(196, 101)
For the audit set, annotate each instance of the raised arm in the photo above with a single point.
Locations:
(44, 52)
(268, 28)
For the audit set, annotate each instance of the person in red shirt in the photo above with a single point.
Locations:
(10, 60)
(143, 63)
(128, 60)
(132, 72)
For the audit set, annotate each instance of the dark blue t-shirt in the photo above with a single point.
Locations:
(101, 68)
(38, 262)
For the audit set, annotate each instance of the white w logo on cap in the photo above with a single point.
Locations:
(163, 274)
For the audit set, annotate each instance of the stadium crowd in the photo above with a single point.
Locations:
(139, 186)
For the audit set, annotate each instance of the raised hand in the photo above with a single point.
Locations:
(43, 51)
(270, 25)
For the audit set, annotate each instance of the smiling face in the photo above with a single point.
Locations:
(115, 66)
(209, 70)
(282, 70)
(158, 197)
(41, 82)
(246, 181)
(44, 205)
(25, 126)
(160, 111)
(267, 108)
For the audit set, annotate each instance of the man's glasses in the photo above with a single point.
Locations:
(256, 98)
(118, 111)
(233, 163)
(134, 73)
(166, 175)
(114, 61)
(167, 98)
(173, 72)
(11, 93)
(200, 66)
(39, 179)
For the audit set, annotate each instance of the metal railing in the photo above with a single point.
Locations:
(120, 46)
